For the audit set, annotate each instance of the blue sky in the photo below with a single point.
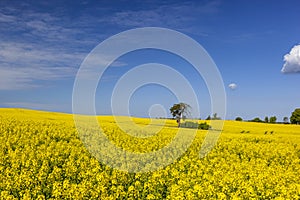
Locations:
(42, 45)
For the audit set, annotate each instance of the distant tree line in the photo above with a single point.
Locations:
(180, 111)
(294, 119)
(214, 117)
(272, 119)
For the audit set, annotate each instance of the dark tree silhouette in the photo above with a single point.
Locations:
(286, 120)
(273, 119)
(180, 111)
(215, 117)
(238, 119)
(295, 118)
(267, 119)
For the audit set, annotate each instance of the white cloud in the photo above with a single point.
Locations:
(232, 86)
(292, 61)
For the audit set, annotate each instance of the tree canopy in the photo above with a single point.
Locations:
(180, 111)
(267, 119)
(238, 119)
(295, 118)
(286, 120)
(215, 117)
(273, 120)
(256, 119)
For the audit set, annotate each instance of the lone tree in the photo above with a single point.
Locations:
(295, 118)
(267, 119)
(285, 120)
(238, 119)
(273, 119)
(215, 117)
(180, 111)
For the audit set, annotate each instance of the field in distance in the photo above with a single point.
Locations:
(43, 157)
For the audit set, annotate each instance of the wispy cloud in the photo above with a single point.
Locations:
(292, 61)
(6, 18)
(22, 64)
(29, 53)
(40, 45)
(176, 15)
(13, 78)
(37, 46)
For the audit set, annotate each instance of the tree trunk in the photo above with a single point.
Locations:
(178, 121)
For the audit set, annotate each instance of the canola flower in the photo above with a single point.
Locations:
(42, 157)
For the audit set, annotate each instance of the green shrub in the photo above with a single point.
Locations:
(188, 124)
(203, 126)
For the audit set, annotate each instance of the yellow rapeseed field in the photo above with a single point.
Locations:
(43, 157)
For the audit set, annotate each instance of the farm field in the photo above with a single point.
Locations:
(42, 157)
